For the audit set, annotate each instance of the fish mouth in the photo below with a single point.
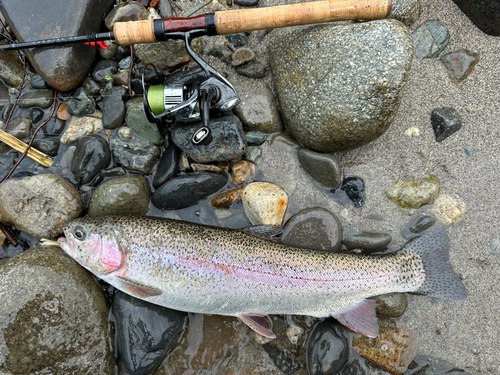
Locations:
(67, 248)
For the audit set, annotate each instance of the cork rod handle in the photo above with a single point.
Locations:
(237, 21)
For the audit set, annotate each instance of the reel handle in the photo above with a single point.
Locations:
(242, 20)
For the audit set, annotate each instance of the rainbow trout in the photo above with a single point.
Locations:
(204, 269)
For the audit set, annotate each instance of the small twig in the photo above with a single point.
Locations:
(32, 139)
(8, 235)
(203, 6)
(20, 146)
(425, 19)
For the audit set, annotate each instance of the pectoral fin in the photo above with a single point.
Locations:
(361, 318)
(136, 289)
(259, 323)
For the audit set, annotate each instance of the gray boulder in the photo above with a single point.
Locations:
(339, 87)
(53, 317)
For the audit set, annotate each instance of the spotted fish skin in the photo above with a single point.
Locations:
(205, 269)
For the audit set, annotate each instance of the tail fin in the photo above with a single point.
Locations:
(440, 279)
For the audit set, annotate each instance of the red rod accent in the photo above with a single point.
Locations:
(181, 24)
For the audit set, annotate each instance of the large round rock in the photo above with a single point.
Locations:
(53, 317)
(340, 85)
(39, 205)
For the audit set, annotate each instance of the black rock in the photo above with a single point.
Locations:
(81, 103)
(287, 365)
(185, 191)
(122, 52)
(313, 228)
(168, 167)
(428, 365)
(445, 122)
(237, 40)
(49, 146)
(430, 39)
(327, 348)
(91, 86)
(353, 368)
(485, 14)
(367, 242)
(103, 69)
(324, 168)
(136, 154)
(145, 332)
(37, 82)
(247, 3)
(37, 98)
(136, 85)
(252, 69)
(54, 127)
(151, 75)
(228, 140)
(92, 154)
(186, 76)
(113, 110)
(417, 226)
(36, 115)
(113, 172)
(6, 163)
(63, 68)
(351, 191)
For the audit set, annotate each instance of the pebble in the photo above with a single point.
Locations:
(324, 168)
(354, 367)
(62, 112)
(255, 137)
(103, 70)
(417, 226)
(49, 145)
(258, 110)
(228, 140)
(39, 205)
(430, 39)
(124, 12)
(91, 155)
(252, 69)
(283, 360)
(57, 318)
(428, 365)
(137, 154)
(164, 55)
(412, 195)
(54, 127)
(241, 56)
(226, 198)
(391, 305)
(12, 69)
(91, 86)
(264, 203)
(19, 127)
(240, 172)
(79, 127)
(113, 110)
(294, 333)
(121, 78)
(445, 122)
(4, 97)
(351, 191)
(113, 172)
(197, 167)
(6, 163)
(38, 83)
(187, 190)
(36, 115)
(253, 154)
(448, 210)
(313, 228)
(168, 166)
(367, 242)
(367, 81)
(393, 349)
(127, 195)
(145, 332)
(460, 64)
(135, 118)
(237, 39)
(81, 103)
(327, 348)
(37, 98)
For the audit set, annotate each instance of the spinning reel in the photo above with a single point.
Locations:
(177, 103)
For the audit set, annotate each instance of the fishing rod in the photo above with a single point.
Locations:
(179, 103)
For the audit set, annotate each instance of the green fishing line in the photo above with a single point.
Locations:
(155, 99)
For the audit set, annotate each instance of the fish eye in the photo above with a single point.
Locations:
(80, 233)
